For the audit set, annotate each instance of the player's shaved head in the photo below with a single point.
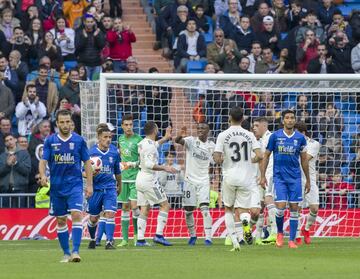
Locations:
(236, 114)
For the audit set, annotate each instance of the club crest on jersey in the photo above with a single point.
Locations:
(110, 160)
(295, 142)
(71, 145)
(197, 143)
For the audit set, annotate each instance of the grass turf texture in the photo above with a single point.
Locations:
(324, 258)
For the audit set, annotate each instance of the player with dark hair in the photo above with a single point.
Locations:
(149, 191)
(63, 152)
(107, 183)
(287, 145)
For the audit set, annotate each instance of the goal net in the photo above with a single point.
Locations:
(328, 104)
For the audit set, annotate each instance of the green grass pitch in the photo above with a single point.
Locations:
(324, 258)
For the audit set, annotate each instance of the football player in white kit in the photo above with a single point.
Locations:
(149, 191)
(239, 185)
(199, 151)
(311, 199)
(260, 128)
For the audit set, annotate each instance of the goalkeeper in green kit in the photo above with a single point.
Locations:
(128, 145)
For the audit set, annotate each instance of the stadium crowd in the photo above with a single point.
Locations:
(48, 46)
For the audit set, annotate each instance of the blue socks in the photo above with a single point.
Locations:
(63, 236)
(280, 219)
(77, 229)
(101, 229)
(294, 220)
(110, 228)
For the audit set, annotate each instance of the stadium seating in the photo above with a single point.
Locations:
(195, 67)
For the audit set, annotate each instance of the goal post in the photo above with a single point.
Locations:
(329, 104)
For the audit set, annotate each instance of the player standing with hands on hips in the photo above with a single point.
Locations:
(64, 151)
(287, 145)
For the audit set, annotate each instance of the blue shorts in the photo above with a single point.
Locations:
(62, 205)
(102, 200)
(288, 191)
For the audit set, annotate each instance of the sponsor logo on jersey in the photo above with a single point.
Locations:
(286, 149)
(66, 158)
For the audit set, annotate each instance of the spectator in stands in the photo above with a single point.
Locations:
(340, 51)
(171, 183)
(326, 11)
(157, 100)
(255, 55)
(38, 136)
(178, 26)
(8, 23)
(15, 167)
(230, 20)
(218, 47)
(30, 111)
(311, 22)
(21, 43)
(115, 9)
(89, 41)
(23, 142)
(8, 77)
(71, 90)
(5, 128)
(338, 24)
(355, 168)
(99, 13)
(82, 72)
(258, 18)
(229, 100)
(73, 9)
(330, 123)
(107, 23)
(337, 190)
(229, 60)
(64, 39)
(191, 47)
(243, 35)
(278, 11)
(132, 65)
(268, 37)
(355, 58)
(221, 7)
(244, 65)
(285, 59)
(7, 104)
(49, 10)
(35, 34)
(201, 20)
(305, 114)
(268, 108)
(306, 51)
(52, 74)
(267, 64)
(31, 13)
(46, 90)
(49, 48)
(322, 63)
(295, 14)
(20, 67)
(120, 39)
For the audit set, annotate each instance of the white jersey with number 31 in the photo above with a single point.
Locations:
(236, 144)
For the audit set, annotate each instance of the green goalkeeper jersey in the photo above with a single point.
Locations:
(129, 153)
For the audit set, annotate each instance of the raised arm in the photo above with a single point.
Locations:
(166, 137)
(180, 138)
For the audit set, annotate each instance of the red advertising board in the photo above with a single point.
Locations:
(20, 223)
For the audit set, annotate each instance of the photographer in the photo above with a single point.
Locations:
(340, 51)
(120, 39)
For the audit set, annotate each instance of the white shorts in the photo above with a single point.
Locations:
(149, 191)
(241, 197)
(311, 198)
(195, 194)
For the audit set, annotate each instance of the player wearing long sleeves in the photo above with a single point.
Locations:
(149, 191)
(107, 183)
(311, 199)
(199, 152)
(288, 146)
(64, 151)
(240, 189)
